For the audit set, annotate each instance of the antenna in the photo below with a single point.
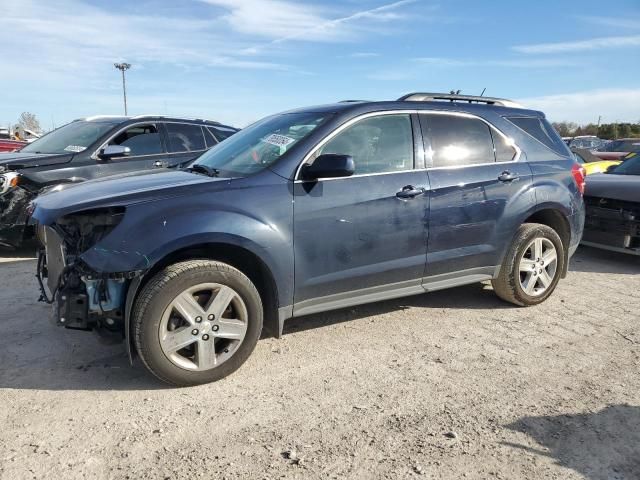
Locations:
(483, 90)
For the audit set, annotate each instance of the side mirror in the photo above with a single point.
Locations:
(329, 165)
(113, 151)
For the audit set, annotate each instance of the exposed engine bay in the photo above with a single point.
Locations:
(83, 299)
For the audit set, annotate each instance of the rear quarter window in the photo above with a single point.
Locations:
(542, 131)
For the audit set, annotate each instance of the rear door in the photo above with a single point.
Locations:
(475, 177)
(363, 235)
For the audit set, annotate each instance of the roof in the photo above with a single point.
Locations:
(121, 118)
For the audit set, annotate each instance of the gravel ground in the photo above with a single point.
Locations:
(453, 384)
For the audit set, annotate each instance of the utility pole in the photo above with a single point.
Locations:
(122, 67)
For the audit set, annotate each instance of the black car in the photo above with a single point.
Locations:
(311, 210)
(613, 208)
(96, 147)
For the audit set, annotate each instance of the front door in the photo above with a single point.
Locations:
(146, 150)
(361, 237)
(475, 177)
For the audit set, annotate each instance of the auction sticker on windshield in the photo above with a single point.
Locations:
(278, 140)
(75, 148)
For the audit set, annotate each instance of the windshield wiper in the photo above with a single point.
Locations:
(200, 168)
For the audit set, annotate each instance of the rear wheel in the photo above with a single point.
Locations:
(532, 267)
(196, 322)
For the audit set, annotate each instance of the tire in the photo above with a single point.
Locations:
(163, 319)
(519, 269)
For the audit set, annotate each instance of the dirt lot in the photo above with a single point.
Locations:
(453, 384)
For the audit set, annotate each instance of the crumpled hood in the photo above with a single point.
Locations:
(16, 160)
(118, 190)
(617, 187)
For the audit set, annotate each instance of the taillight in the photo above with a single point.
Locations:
(579, 175)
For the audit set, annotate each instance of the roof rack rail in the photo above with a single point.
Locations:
(98, 117)
(193, 119)
(430, 97)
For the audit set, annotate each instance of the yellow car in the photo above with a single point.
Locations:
(591, 163)
(599, 167)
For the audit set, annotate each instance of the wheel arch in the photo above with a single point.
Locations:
(244, 259)
(557, 219)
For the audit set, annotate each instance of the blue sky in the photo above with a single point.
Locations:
(238, 60)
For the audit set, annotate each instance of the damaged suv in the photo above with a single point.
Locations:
(307, 211)
(95, 147)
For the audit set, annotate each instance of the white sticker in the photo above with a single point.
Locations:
(278, 140)
(75, 148)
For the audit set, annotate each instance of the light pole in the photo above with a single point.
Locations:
(122, 67)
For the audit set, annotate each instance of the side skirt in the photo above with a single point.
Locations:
(385, 292)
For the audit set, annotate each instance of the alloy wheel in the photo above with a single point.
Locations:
(538, 266)
(203, 326)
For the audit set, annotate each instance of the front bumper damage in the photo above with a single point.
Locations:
(83, 298)
(612, 225)
(14, 216)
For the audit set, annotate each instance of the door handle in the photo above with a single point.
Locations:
(409, 191)
(160, 164)
(507, 176)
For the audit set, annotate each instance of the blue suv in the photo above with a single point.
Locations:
(307, 211)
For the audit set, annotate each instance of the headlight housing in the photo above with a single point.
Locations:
(8, 181)
(82, 230)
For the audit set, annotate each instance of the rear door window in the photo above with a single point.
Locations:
(211, 140)
(184, 137)
(505, 151)
(457, 140)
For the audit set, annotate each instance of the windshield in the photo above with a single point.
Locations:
(261, 144)
(73, 137)
(622, 146)
(628, 167)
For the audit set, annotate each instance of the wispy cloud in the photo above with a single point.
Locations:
(586, 106)
(331, 29)
(615, 22)
(440, 62)
(582, 45)
(364, 55)
(268, 18)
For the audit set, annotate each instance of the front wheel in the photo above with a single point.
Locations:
(196, 322)
(532, 267)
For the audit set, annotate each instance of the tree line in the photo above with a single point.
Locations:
(608, 131)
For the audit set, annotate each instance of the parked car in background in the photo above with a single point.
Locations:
(7, 145)
(617, 149)
(311, 210)
(591, 163)
(26, 135)
(613, 208)
(587, 142)
(95, 147)
(29, 135)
